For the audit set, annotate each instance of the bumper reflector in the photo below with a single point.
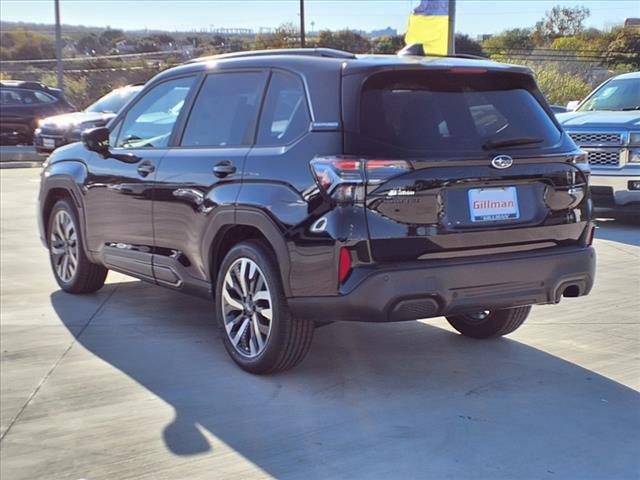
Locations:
(345, 264)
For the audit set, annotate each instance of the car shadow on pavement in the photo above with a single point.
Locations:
(369, 401)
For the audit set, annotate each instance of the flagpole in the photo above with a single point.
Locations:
(302, 34)
(59, 70)
(451, 48)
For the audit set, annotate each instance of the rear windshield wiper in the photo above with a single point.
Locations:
(510, 142)
(627, 109)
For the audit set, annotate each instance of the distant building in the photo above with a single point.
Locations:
(632, 23)
(383, 32)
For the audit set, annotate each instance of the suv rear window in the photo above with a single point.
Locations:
(443, 115)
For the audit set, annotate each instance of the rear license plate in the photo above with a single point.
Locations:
(493, 204)
(48, 143)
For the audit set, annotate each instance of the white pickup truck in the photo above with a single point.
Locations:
(606, 125)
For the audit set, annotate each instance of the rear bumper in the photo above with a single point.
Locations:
(430, 289)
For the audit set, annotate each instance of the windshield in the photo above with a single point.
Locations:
(416, 114)
(617, 95)
(112, 102)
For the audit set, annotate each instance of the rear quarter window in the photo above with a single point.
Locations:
(19, 96)
(285, 116)
(437, 114)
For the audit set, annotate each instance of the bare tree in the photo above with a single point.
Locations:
(561, 22)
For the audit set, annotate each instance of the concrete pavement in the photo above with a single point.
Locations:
(19, 156)
(133, 382)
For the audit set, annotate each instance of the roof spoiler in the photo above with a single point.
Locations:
(417, 50)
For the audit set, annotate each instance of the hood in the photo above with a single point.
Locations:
(605, 119)
(70, 120)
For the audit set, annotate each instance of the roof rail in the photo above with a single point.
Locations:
(314, 52)
(25, 84)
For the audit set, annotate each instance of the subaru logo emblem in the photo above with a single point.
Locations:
(502, 161)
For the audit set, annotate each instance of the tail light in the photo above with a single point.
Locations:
(581, 160)
(344, 179)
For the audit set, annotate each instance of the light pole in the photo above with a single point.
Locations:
(452, 28)
(302, 39)
(59, 70)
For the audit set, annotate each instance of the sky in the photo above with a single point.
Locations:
(474, 17)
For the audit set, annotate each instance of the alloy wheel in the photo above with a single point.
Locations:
(63, 245)
(246, 307)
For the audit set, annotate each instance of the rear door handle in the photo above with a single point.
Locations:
(146, 168)
(223, 169)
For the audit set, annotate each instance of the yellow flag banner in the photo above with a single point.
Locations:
(429, 25)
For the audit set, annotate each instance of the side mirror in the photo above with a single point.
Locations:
(97, 140)
(573, 105)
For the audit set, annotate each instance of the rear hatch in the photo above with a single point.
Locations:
(482, 166)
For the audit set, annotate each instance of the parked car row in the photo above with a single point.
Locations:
(53, 132)
(33, 113)
(606, 124)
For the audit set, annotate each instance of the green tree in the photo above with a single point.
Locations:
(286, 35)
(109, 37)
(464, 44)
(388, 44)
(347, 40)
(26, 45)
(518, 39)
(558, 87)
(161, 38)
(75, 89)
(625, 49)
(90, 44)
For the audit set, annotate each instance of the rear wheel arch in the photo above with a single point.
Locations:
(248, 225)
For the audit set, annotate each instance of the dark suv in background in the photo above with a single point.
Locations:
(53, 132)
(300, 187)
(22, 104)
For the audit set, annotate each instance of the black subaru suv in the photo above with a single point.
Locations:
(300, 187)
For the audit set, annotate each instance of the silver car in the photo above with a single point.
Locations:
(606, 125)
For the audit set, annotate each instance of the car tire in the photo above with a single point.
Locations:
(73, 271)
(490, 323)
(248, 292)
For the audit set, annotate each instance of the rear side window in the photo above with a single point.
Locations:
(285, 116)
(43, 97)
(224, 114)
(437, 114)
(18, 96)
